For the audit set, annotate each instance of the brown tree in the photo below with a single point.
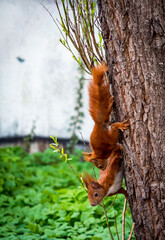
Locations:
(134, 39)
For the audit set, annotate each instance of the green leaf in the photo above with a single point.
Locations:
(52, 138)
(62, 151)
(49, 233)
(81, 114)
(75, 215)
(35, 228)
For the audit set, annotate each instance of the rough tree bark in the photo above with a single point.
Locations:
(134, 39)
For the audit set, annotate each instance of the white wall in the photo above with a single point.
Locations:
(42, 88)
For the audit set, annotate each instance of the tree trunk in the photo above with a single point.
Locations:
(134, 39)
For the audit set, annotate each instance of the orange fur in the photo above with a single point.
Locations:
(100, 99)
(110, 180)
(102, 140)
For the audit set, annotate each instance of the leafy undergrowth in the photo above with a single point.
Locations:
(41, 199)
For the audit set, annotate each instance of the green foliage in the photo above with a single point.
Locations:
(41, 199)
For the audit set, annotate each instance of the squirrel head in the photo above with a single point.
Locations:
(98, 162)
(96, 192)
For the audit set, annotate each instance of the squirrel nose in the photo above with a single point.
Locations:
(92, 204)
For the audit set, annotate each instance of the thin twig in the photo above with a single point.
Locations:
(106, 217)
(66, 30)
(128, 224)
(49, 13)
(86, 32)
(131, 231)
(111, 203)
(74, 171)
(78, 38)
(123, 219)
(116, 226)
(88, 151)
(76, 176)
(94, 171)
(80, 31)
(93, 36)
(55, 21)
(83, 141)
(77, 42)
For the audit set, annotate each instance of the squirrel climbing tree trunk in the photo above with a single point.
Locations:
(134, 39)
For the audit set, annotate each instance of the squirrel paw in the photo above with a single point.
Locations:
(120, 146)
(124, 125)
(111, 101)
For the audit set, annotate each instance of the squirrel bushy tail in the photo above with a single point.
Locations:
(100, 99)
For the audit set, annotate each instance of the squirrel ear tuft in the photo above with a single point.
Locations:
(88, 179)
(87, 156)
(95, 185)
(85, 181)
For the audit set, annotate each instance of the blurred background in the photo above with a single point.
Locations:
(39, 78)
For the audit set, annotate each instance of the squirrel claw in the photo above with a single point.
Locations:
(124, 125)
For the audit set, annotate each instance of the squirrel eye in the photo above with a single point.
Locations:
(100, 166)
(96, 194)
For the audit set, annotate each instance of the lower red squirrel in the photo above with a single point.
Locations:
(109, 182)
(102, 140)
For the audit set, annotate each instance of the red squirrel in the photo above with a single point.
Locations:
(103, 139)
(109, 182)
